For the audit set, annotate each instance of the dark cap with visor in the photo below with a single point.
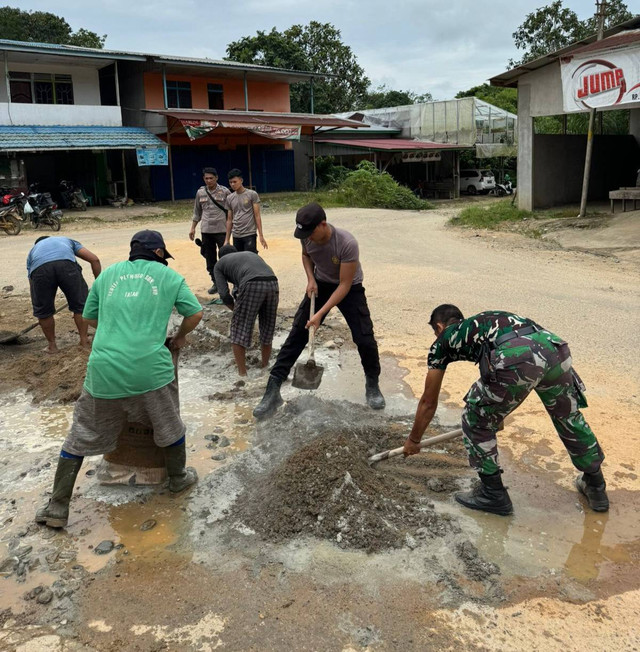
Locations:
(307, 218)
(151, 240)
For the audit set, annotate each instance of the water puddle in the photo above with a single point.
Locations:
(550, 533)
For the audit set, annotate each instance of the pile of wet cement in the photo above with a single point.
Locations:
(328, 490)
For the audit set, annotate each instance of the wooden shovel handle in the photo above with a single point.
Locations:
(394, 452)
(312, 330)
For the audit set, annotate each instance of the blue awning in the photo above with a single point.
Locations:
(41, 138)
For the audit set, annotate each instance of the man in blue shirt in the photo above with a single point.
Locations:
(51, 265)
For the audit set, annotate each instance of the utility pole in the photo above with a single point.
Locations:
(601, 12)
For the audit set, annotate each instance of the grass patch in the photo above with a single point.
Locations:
(492, 216)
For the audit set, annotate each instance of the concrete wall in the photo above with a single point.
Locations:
(263, 96)
(558, 166)
(546, 91)
(59, 114)
(525, 148)
(634, 124)
(86, 86)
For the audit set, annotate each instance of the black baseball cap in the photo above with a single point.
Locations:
(307, 218)
(151, 240)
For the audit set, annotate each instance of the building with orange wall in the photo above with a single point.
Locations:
(144, 125)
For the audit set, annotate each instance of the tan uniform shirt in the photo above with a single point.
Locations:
(214, 220)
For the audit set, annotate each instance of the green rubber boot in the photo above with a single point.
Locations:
(180, 476)
(56, 512)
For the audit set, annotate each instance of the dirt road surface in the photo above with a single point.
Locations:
(212, 572)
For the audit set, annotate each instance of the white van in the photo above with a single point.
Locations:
(475, 181)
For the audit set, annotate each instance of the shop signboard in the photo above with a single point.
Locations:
(602, 80)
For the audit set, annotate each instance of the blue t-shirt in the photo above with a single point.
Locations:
(50, 249)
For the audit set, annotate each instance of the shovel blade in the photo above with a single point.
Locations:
(307, 375)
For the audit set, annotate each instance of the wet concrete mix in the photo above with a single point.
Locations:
(327, 489)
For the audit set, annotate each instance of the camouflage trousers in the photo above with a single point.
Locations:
(522, 365)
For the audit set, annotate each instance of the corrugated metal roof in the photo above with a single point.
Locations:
(623, 39)
(510, 77)
(262, 118)
(16, 139)
(390, 144)
(74, 50)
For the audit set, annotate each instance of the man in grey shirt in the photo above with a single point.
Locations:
(257, 296)
(330, 258)
(243, 216)
(210, 210)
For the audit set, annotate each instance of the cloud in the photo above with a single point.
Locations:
(419, 45)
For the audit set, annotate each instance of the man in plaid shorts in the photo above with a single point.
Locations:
(257, 296)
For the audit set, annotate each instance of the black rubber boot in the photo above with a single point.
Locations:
(271, 399)
(180, 476)
(213, 289)
(593, 487)
(373, 394)
(56, 512)
(489, 495)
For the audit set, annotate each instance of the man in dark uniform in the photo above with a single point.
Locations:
(330, 258)
(515, 355)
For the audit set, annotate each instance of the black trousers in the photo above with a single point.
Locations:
(246, 243)
(211, 243)
(356, 313)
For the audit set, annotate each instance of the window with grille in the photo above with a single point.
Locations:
(178, 95)
(216, 96)
(40, 88)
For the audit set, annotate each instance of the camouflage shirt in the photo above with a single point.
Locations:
(464, 339)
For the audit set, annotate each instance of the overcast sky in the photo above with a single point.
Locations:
(420, 45)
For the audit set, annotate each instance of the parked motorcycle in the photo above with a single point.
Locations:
(10, 219)
(45, 210)
(72, 196)
(502, 189)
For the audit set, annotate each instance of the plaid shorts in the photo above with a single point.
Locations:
(97, 422)
(255, 299)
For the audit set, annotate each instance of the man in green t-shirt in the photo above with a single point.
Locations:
(130, 372)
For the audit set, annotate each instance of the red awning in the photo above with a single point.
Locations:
(390, 144)
(253, 118)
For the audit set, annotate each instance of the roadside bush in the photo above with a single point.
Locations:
(367, 187)
(490, 217)
(329, 174)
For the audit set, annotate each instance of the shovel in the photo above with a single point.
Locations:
(307, 375)
(394, 452)
(11, 338)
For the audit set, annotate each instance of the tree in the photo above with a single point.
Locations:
(316, 47)
(382, 97)
(503, 98)
(554, 26)
(44, 27)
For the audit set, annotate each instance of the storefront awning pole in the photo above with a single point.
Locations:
(6, 76)
(117, 82)
(249, 162)
(173, 194)
(124, 176)
(313, 156)
(164, 87)
(601, 9)
(246, 93)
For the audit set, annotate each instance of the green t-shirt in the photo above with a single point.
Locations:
(132, 302)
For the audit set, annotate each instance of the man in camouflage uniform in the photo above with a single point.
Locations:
(515, 355)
